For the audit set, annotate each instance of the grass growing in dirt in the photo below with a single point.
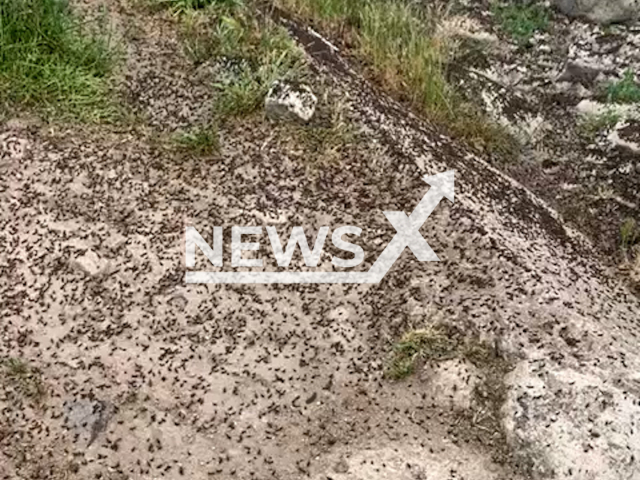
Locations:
(48, 60)
(399, 42)
(434, 343)
(440, 342)
(327, 137)
(201, 140)
(625, 90)
(521, 20)
(629, 234)
(591, 125)
(22, 378)
(396, 38)
(250, 48)
(430, 343)
(181, 6)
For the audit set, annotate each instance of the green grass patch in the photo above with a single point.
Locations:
(397, 40)
(625, 90)
(400, 45)
(201, 140)
(521, 21)
(51, 62)
(250, 49)
(325, 142)
(182, 6)
(435, 343)
(432, 343)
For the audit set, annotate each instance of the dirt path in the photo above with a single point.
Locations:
(149, 377)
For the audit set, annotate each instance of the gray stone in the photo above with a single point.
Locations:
(567, 424)
(286, 101)
(601, 11)
(88, 418)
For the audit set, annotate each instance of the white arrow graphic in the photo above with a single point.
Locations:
(408, 228)
(408, 235)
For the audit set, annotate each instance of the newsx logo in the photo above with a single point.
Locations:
(407, 235)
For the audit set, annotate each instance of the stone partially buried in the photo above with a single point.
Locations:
(289, 102)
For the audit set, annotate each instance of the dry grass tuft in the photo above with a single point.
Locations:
(22, 379)
(434, 344)
(408, 52)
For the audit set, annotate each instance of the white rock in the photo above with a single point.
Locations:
(90, 263)
(592, 108)
(290, 102)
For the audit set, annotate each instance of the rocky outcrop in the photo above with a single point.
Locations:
(601, 11)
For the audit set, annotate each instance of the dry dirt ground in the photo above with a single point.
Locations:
(142, 376)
